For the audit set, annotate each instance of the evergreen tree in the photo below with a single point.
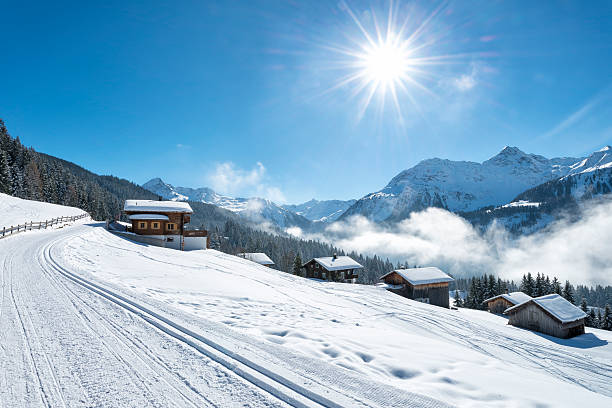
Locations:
(539, 285)
(297, 265)
(458, 301)
(5, 173)
(591, 320)
(598, 323)
(568, 293)
(606, 322)
(585, 309)
(556, 286)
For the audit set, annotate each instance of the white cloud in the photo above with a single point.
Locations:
(577, 251)
(466, 82)
(226, 178)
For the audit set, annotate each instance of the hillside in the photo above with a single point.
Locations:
(344, 345)
(25, 173)
(15, 211)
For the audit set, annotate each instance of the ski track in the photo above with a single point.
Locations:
(85, 345)
(74, 348)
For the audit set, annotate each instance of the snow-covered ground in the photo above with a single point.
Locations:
(365, 335)
(91, 319)
(14, 211)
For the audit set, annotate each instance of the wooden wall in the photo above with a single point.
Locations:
(499, 305)
(437, 293)
(174, 218)
(535, 318)
(316, 271)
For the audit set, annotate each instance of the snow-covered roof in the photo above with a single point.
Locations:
(338, 263)
(157, 206)
(513, 297)
(149, 217)
(421, 276)
(556, 305)
(258, 257)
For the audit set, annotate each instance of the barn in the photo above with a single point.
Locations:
(498, 304)
(549, 314)
(428, 285)
(333, 268)
(257, 257)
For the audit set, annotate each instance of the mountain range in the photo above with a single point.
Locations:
(516, 187)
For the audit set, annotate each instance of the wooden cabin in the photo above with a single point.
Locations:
(498, 304)
(428, 285)
(257, 257)
(164, 221)
(333, 268)
(549, 314)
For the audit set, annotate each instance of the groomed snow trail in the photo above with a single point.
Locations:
(63, 345)
(69, 341)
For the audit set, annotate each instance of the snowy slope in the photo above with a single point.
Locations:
(321, 211)
(461, 185)
(255, 209)
(362, 342)
(14, 211)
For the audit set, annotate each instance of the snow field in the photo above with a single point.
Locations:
(14, 211)
(374, 346)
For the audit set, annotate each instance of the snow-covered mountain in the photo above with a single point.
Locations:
(464, 186)
(255, 209)
(538, 206)
(321, 211)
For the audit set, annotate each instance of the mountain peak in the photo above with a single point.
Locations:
(605, 149)
(511, 150)
(155, 180)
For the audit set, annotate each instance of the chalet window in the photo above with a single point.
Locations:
(142, 225)
(171, 226)
(155, 225)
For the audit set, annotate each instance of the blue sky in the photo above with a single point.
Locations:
(243, 96)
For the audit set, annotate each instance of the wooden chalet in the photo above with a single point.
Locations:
(257, 257)
(428, 285)
(549, 314)
(498, 304)
(164, 221)
(333, 268)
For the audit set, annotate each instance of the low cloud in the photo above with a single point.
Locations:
(578, 251)
(229, 179)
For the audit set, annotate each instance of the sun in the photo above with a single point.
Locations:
(391, 61)
(386, 62)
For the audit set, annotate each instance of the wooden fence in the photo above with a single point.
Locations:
(6, 231)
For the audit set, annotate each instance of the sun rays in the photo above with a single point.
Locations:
(388, 62)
